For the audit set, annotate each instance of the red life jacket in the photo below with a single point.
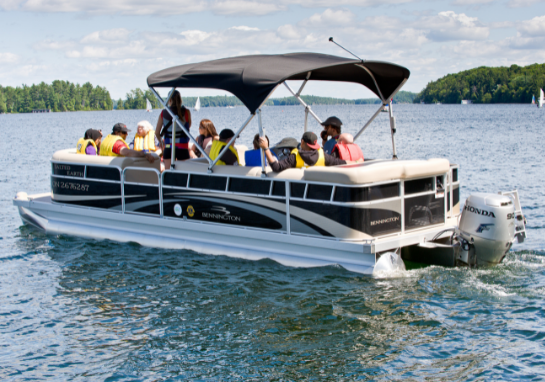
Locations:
(348, 151)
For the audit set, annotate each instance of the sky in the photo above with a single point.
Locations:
(119, 43)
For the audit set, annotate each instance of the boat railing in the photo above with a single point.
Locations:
(158, 185)
(421, 201)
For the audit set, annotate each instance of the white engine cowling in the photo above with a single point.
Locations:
(488, 223)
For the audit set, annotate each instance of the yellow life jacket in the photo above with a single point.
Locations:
(82, 145)
(146, 142)
(301, 163)
(107, 145)
(216, 149)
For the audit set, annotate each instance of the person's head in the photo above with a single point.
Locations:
(121, 130)
(332, 125)
(176, 103)
(226, 135)
(309, 141)
(256, 141)
(207, 128)
(95, 135)
(143, 128)
(346, 138)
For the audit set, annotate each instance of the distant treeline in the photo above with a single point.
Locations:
(59, 96)
(515, 84)
(136, 99)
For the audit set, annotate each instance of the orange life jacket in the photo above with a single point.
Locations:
(348, 151)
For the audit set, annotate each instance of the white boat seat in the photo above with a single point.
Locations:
(377, 171)
(70, 156)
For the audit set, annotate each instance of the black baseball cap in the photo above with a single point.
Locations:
(333, 121)
(227, 134)
(311, 140)
(120, 127)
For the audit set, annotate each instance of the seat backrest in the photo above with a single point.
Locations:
(378, 171)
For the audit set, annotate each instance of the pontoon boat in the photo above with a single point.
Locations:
(348, 215)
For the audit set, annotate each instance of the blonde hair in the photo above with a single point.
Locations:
(145, 125)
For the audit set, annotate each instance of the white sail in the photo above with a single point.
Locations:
(541, 98)
(198, 104)
(148, 106)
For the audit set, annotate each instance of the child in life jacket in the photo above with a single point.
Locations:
(346, 149)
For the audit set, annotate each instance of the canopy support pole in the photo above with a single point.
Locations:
(175, 118)
(368, 122)
(392, 129)
(303, 84)
(261, 151)
(303, 103)
(375, 81)
(230, 142)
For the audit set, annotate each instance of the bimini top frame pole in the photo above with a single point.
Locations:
(176, 119)
(307, 107)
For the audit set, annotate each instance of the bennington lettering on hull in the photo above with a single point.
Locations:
(230, 218)
(384, 221)
(479, 212)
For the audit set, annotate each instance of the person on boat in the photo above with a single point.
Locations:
(252, 158)
(114, 145)
(310, 155)
(90, 143)
(145, 139)
(283, 148)
(207, 134)
(231, 156)
(332, 127)
(164, 129)
(346, 148)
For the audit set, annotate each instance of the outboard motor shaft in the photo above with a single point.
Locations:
(488, 225)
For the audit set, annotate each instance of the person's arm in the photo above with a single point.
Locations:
(158, 130)
(284, 164)
(158, 150)
(126, 152)
(192, 151)
(332, 161)
(277, 166)
(188, 119)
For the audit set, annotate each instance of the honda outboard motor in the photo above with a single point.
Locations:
(487, 228)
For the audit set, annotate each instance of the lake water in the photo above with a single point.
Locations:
(75, 309)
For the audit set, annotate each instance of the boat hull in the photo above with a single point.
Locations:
(211, 239)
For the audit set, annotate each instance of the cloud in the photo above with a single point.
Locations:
(328, 18)
(471, 2)
(8, 58)
(178, 7)
(449, 26)
(245, 8)
(98, 7)
(522, 3)
(356, 3)
(288, 32)
(533, 27)
(106, 36)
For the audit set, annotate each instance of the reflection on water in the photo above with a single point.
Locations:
(74, 309)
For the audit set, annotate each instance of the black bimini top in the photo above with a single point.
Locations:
(253, 78)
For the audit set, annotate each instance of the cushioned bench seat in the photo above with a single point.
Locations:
(378, 171)
(70, 156)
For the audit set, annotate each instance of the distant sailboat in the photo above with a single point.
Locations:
(533, 100)
(541, 98)
(148, 106)
(198, 104)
